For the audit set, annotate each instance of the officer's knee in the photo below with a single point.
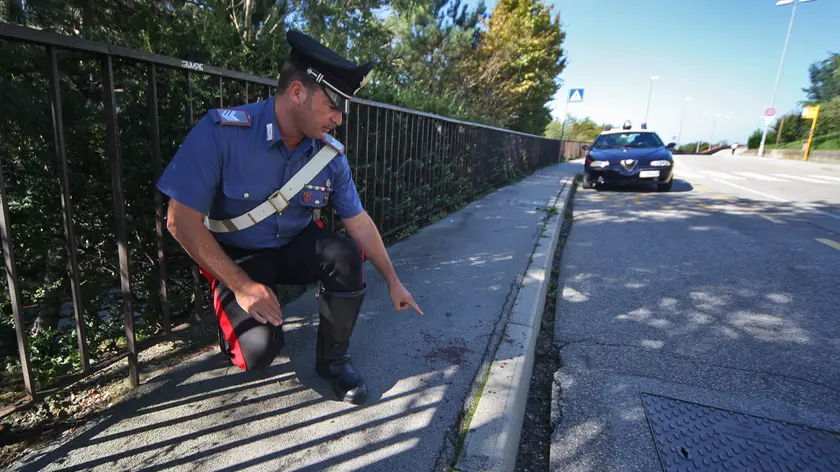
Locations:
(260, 345)
(260, 360)
(343, 259)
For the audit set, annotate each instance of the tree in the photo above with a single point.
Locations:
(585, 130)
(825, 80)
(827, 133)
(420, 69)
(512, 74)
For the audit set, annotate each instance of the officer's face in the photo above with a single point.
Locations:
(322, 115)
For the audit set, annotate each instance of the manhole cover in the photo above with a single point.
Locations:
(697, 437)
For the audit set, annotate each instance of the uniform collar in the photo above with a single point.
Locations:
(271, 132)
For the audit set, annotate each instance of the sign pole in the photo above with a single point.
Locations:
(778, 76)
(563, 129)
(575, 95)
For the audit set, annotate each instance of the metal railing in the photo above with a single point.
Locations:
(408, 166)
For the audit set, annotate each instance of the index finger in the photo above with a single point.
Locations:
(414, 305)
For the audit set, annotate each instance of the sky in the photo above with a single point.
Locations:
(724, 54)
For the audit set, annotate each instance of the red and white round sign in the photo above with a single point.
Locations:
(770, 112)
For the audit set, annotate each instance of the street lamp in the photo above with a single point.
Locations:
(714, 123)
(779, 74)
(679, 135)
(650, 93)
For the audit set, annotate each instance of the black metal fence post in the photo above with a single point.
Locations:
(198, 294)
(15, 294)
(110, 102)
(67, 207)
(154, 148)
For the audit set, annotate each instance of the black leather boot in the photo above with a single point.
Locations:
(338, 314)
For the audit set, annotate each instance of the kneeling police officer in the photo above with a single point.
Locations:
(244, 187)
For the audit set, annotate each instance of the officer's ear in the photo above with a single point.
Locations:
(298, 92)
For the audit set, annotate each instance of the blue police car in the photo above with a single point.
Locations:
(628, 156)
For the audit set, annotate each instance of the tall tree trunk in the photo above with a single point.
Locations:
(16, 11)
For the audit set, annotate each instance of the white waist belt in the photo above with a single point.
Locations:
(279, 200)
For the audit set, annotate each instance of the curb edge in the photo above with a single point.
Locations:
(491, 442)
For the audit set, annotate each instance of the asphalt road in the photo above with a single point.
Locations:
(724, 292)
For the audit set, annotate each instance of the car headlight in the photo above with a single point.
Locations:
(660, 163)
(600, 164)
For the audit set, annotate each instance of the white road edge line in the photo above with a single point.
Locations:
(759, 176)
(721, 175)
(830, 243)
(825, 177)
(751, 190)
(683, 165)
(796, 204)
(803, 179)
(771, 219)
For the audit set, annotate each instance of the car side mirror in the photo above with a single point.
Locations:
(585, 147)
(671, 145)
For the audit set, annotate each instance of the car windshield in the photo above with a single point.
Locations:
(629, 139)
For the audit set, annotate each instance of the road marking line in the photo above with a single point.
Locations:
(771, 219)
(803, 179)
(760, 177)
(829, 242)
(825, 177)
(682, 173)
(683, 165)
(751, 190)
(810, 208)
(721, 175)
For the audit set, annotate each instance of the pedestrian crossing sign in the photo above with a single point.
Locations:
(576, 95)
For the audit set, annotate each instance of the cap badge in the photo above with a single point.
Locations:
(365, 80)
(306, 197)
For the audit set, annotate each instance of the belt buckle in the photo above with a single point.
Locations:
(274, 195)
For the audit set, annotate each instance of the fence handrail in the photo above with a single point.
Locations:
(443, 118)
(47, 38)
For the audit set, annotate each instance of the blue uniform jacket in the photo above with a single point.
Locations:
(234, 159)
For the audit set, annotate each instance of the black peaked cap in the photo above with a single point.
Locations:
(326, 66)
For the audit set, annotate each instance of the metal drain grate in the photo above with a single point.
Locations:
(692, 437)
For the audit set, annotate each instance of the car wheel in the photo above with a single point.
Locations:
(586, 183)
(665, 187)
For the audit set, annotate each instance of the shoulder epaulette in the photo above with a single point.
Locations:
(227, 116)
(334, 143)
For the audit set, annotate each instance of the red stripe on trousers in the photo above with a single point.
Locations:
(224, 323)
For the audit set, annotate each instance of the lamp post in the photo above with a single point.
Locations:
(714, 123)
(682, 120)
(650, 93)
(779, 73)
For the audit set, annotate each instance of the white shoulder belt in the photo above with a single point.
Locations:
(279, 200)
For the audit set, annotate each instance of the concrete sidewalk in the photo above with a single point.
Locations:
(464, 272)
